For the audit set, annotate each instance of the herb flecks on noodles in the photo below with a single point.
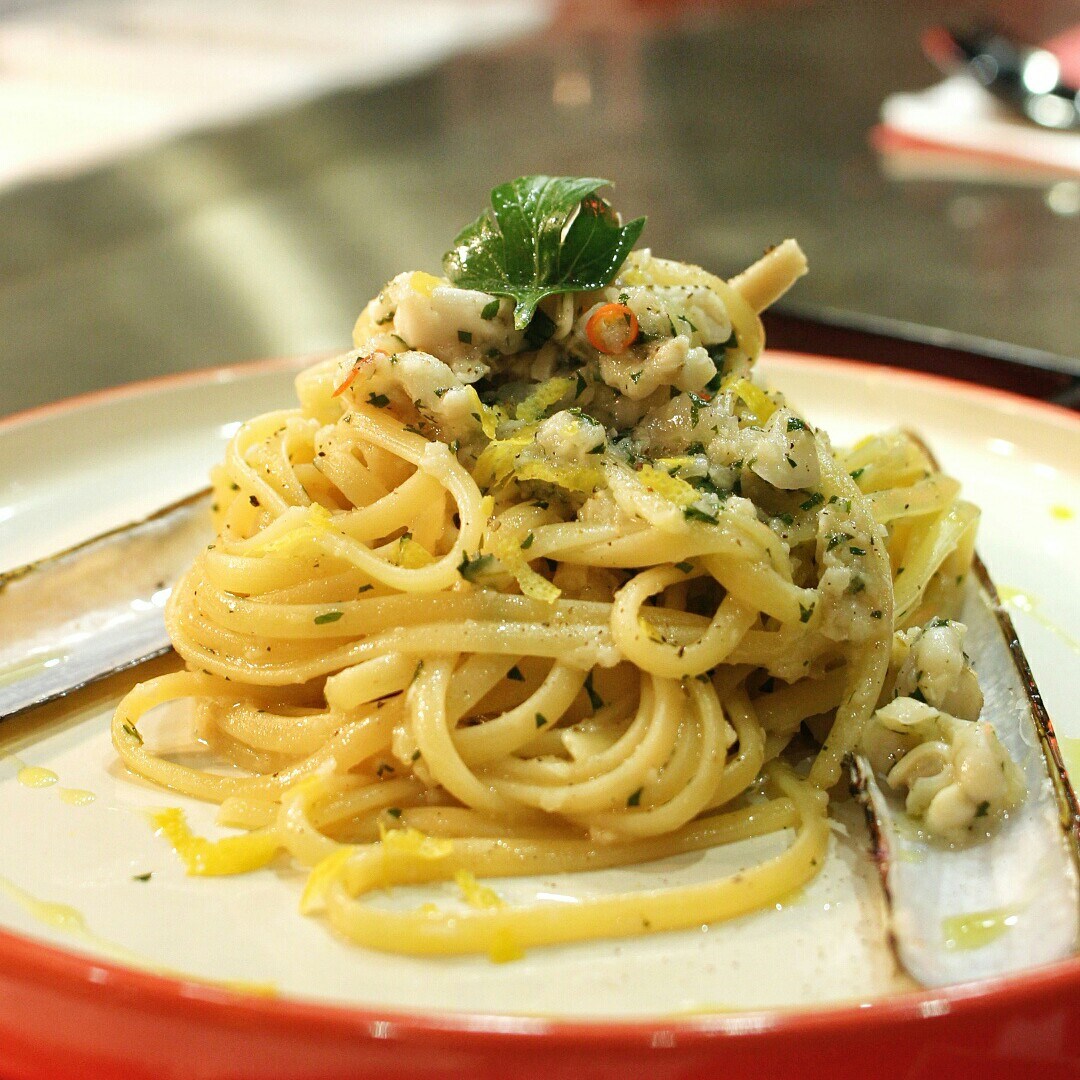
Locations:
(538, 578)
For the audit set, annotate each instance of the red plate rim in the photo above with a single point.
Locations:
(41, 963)
(38, 965)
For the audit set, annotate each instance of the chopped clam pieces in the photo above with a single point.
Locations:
(955, 768)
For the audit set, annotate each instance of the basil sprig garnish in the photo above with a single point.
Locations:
(542, 235)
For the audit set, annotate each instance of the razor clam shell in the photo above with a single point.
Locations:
(95, 609)
(1023, 876)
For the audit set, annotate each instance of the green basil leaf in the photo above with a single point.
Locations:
(543, 235)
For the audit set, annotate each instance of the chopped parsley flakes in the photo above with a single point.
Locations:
(470, 569)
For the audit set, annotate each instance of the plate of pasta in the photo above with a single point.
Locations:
(561, 679)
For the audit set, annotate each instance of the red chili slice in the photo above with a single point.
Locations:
(612, 329)
(351, 377)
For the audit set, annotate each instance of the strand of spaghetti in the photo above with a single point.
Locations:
(430, 726)
(360, 485)
(887, 460)
(278, 578)
(509, 732)
(558, 787)
(296, 732)
(743, 769)
(194, 625)
(641, 811)
(351, 744)
(408, 501)
(758, 586)
(221, 745)
(484, 603)
(250, 434)
(459, 821)
(788, 651)
(475, 678)
(687, 796)
(436, 460)
(553, 540)
(940, 538)
(593, 758)
(382, 864)
(932, 495)
(642, 644)
(734, 534)
(782, 710)
(507, 931)
(370, 616)
(309, 807)
(766, 280)
(871, 661)
(363, 683)
(578, 646)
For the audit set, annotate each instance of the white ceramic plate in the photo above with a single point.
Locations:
(73, 470)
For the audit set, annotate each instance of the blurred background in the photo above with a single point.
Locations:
(189, 184)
